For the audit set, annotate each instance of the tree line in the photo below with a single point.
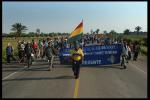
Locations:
(19, 31)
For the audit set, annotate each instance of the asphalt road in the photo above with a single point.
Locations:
(94, 82)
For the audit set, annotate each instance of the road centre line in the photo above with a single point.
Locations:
(76, 88)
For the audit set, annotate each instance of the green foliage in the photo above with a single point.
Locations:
(144, 50)
(34, 34)
(144, 41)
(18, 28)
(126, 32)
(134, 37)
(113, 32)
(105, 32)
(139, 38)
(97, 31)
(138, 28)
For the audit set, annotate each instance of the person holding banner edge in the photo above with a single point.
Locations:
(124, 54)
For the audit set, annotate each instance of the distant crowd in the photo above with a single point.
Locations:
(47, 47)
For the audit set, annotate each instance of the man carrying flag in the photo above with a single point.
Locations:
(76, 57)
(77, 53)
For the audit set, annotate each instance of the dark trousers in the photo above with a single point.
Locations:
(129, 55)
(8, 58)
(29, 60)
(22, 54)
(76, 68)
(135, 55)
(19, 54)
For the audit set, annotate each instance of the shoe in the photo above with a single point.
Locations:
(52, 66)
(125, 67)
(76, 77)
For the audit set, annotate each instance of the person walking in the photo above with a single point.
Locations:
(40, 45)
(9, 53)
(22, 51)
(19, 50)
(43, 47)
(129, 51)
(124, 54)
(77, 57)
(136, 51)
(35, 48)
(49, 55)
(28, 53)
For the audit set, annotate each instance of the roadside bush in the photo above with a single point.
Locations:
(144, 50)
(144, 41)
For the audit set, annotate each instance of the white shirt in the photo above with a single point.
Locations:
(22, 46)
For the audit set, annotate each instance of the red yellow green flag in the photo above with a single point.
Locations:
(76, 34)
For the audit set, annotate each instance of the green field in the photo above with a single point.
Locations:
(144, 50)
(134, 37)
(13, 41)
(139, 38)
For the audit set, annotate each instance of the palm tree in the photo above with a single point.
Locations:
(92, 31)
(37, 32)
(105, 32)
(126, 32)
(97, 31)
(113, 32)
(18, 28)
(138, 28)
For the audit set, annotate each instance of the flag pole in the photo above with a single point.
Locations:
(82, 20)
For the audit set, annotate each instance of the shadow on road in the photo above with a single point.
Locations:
(12, 65)
(46, 68)
(33, 68)
(40, 78)
(118, 66)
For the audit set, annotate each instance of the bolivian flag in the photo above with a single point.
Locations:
(76, 34)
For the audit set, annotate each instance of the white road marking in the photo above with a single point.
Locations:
(13, 73)
(138, 68)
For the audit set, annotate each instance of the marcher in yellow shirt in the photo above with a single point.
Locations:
(76, 56)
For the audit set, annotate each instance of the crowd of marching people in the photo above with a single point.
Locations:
(43, 48)
(48, 47)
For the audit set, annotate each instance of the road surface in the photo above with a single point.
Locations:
(94, 82)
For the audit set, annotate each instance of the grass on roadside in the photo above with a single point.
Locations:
(144, 50)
